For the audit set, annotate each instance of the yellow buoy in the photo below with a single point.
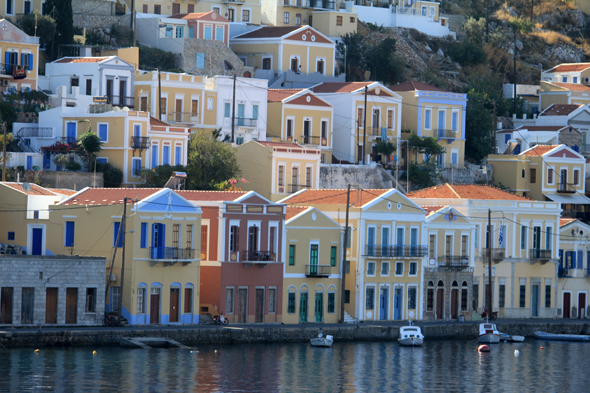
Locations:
(94, 352)
(36, 351)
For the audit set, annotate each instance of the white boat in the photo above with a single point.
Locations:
(321, 341)
(511, 338)
(410, 336)
(561, 337)
(488, 333)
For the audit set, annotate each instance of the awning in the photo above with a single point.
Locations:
(576, 199)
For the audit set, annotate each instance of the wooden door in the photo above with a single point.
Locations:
(51, 305)
(440, 303)
(567, 301)
(71, 305)
(155, 306)
(454, 295)
(581, 305)
(359, 154)
(27, 306)
(259, 317)
(6, 305)
(242, 305)
(178, 110)
(174, 295)
(143, 104)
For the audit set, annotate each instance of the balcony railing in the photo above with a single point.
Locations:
(566, 188)
(159, 253)
(182, 117)
(121, 101)
(563, 273)
(258, 256)
(497, 253)
(446, 134)
(458, 261)
(13, 70)
(245, 122)
(140, 142)
(395, 251)
(318, 270)
(293, 188)
(329, 5)
(311, 140)
(35, 132)
(539, 254)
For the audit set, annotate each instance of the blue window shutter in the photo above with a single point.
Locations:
(255, 112)
(200, 60)
(115, 233)
(572, 259)
(506, 138)
(190, 32)
(166, 158)
(580, 260)
(154, 156)
(177, 155)
(144, 235)
(69, 234)
(23, 59)
(561, 259)
(7, 61)
(136, 130)
(30, 62)
(102, 132)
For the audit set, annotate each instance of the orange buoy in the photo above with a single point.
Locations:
(483, 348)
(542, 348)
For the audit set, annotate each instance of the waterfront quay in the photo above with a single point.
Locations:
(193, 335)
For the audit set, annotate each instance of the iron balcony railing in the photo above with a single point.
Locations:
(140, 142)
(378, 131)
(12, 69)
(311, 140)
(446, 134)
(258, 256)
(121, 101)
(566, 188)
(245, 122)
(563, 273)
(182, 117)
(171, 253)
(497, 253)
(35, 132)
(318, 270)
(539, 254)
(395, 251)
(453, 261)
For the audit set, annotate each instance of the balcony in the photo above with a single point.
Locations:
(498, 254)
(446, 134)
(35, 132)
(318, 270)
(377, 131)
(258, 257)
(386, 251)
(140, 142)
(245, 122)
(171, 255)
(121, 101)
(182, 117)
(564, 273)
(566, 188)
(311, 140)
(453, 261)
(15, 71)
(537, 255)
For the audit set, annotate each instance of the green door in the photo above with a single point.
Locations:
(313, 260)
(303, 307)
(319, 306)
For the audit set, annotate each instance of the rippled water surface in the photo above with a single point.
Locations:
(449, 366)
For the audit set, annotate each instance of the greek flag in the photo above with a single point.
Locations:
(501, 239)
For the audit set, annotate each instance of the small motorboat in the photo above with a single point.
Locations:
(510, 338)
(410, 336)
(561, 337)
(321, 341)
(488, 333)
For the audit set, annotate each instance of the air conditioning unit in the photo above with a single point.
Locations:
(586, 80)
(4, 82)
(113, 277)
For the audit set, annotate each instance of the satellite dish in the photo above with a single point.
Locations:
(26, 187)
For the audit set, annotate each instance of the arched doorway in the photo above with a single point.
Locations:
(454, 300)
(440, 300)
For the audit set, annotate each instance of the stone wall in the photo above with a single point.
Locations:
(447, 276)
(97, 14)
(573, 138)
(471, 174)
(216, 54)
(93, 7)
(71, 180)
(62, 272)
(358, 176)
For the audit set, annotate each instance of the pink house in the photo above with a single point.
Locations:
(206, 26)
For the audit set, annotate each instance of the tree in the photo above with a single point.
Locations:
(426, 145)
(158, 176)
(61, 160)
(45, 29)
(61, 11)
(475, 29)
(90, 144)
(210, 162)
(354, 55)
(113, 176)
(386, 149)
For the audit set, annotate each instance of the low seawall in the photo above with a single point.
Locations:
(237, 334)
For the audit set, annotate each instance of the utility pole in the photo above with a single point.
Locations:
(344, 248)
(358, 134)
(365, 127)
(407, 166)
(4, 152)
(233, 111)
(159, 95)
(514, 71)
(122, 229)
(489, 291)
(112, 264)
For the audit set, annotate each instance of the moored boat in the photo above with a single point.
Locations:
(410, 336)
(321, 341)
(488, 333)
(511, 338)
(561, 337)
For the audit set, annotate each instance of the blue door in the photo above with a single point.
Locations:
(166, 155)
(158, 239)
(37, 241)
(71, 132)
(397, 304)
(383, 304)
(46, 160)
(29, 163)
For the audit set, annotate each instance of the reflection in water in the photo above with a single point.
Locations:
(346, 367)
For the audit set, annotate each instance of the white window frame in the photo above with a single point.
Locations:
(574, 176)
(428, 110)
(286, 18)
(257, 224)
(383, 263)
(374, 264)
(444, 125)
(292, 119)
(276, 297)
(325, 64)
(455, 112)
(291, 57)
(392, 110)
(262, 62)
(410, 269)
(395, 272)
(98, 129)
(132, 166)
(143, 309)
(549, 168)
(242, 14)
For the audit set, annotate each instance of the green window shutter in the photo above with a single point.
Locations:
(333, 256)
(291, 254)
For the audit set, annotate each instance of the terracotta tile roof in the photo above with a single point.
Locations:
(292, 211)
(108, 196)
(269, 32)
(63, 191)
(413, 85)
(573, 86)
(196, 195)
(569, 67)
(81, 60)
(538, 150)
(340, 87)
(566, 220)
(465, 191)
(334, 197)
(560, 110)
(280, 144)
(35, 189)
(193, 15)
(278, 95)
(431, 209)
(156, 122)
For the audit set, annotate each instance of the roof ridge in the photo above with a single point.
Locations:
(453, 191)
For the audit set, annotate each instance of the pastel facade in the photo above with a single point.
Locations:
(312, 280)
(525, 137)
(332, 23)
(573, 273)
(13, 8)
(247, 11)
(275, 169)
(383, 118)
(300, 116)
(524, 258)
(20, 57)
(433, 112)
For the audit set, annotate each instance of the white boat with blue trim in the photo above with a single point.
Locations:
(410, 336)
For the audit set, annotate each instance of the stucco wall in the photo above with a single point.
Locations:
(71, 180)
(358, 176)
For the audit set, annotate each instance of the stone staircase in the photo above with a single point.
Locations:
(349, 319)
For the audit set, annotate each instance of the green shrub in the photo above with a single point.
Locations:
(467, 54)
(73, 166)
(113, 176)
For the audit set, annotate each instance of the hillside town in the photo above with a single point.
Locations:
(265, 178)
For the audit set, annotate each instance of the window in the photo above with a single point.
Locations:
(399, 268)
(289, 128)
(550, 176)
(154, 156)
(523, 173)
(175, 235)
(240, 140)
(441, 120)
(163, 102)
(90, 300)
(575, 80)
(547, 296)
(141, 300)
(324, 129)
(349, 238)
(136, 170)
(191, 32)
(233, 238)
(347, 267)
(454, 117)
(217, 9)
(430, 298)
(346, 296)
(10, 7)
(101, 160)
(255, 112)
(548, 239)
(188, 300)
(10, 235)
(227, 109)
(69, 238)
(522, 300)
(286, 18)
(412, 298)
(115, 296)
(564, 79)
(177, 155)
(272, 300)
(229, 300)
(432, 247)
(338, 21)
(143, 242)
(190, 8)
(370, 268)
(476, 240)
(204, 238)
(464, 294)
(352, 19)
(427, 115)
(208, 32)
(331, 303)
(245, 15)
(502, 237)
(319, 67)
(194, 107)
(291, 303)
(189, 237)
(533, 175)
(370, 298)
(168, 31)
(231, 14)
(475, 296)
(333, 252)
(313, 254)
(413, 268)
(298, 19)
(166, 155)
(359, 117)
(200, 60)
(291, 254)
(219, 36)
(36, 214)
(576, 177)
(179, 32)
(116, 226)
(523, 235)
(502, 295)
(266, 63)
(385, 268)
(281, 175)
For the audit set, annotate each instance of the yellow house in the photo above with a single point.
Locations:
(334, 23)
(430, 111)
(573, 276)
(277, 169)
(523, 248)
(300, 116)
(301, 49)
(20, 57)
(312, 278)
(247, 11)
(160, 280)
(386, 250)
(563, 93)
